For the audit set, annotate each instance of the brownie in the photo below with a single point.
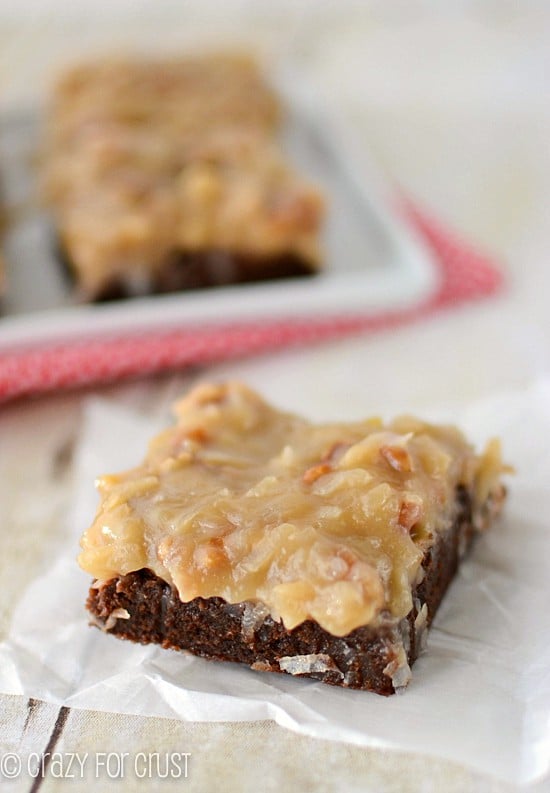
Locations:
(152, 612)
(167, 175)
(364, 526)
(2, 279)
(199, 270)
(3, 229)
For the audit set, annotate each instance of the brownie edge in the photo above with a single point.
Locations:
(184, 271)
(143, 608)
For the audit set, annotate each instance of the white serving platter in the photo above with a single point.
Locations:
(374, 260)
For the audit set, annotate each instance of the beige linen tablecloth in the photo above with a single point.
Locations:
(453, 103)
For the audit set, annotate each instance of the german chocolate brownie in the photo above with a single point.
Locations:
(251, 535)
(2, 279)
(164, 175)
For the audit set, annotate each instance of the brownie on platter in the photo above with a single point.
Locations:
(166, 175)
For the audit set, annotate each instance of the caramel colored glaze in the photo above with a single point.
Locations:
(326, 522)
(145, 159)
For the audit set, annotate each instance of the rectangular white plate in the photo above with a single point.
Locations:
(374, 260)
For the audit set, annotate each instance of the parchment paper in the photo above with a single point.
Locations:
(480, 695)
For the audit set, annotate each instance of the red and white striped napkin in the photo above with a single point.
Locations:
(465, 275)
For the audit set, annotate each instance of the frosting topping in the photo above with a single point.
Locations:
(326, 522)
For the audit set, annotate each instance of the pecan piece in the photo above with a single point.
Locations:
(313, 473)
(397, 457)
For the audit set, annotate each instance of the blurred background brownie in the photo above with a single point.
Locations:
(167, 174)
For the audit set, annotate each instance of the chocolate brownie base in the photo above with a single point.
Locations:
(144, 608)
(199, 270)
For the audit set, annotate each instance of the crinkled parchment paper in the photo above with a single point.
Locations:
(480, 695)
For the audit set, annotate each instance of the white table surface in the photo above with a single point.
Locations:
(453, 98)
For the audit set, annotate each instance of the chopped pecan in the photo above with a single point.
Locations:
(410, 513)
(313, 473)
(397, 457)
(198, 434)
